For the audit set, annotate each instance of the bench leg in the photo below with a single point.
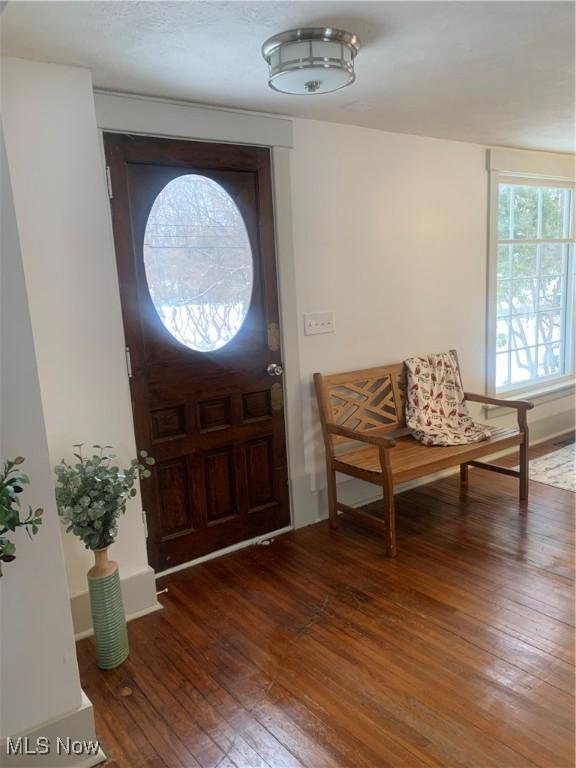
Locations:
(390, 520)
(332, 498)
(389, 510)
(524, 463)
(463, 473)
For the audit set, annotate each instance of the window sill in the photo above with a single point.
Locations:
(536, 396)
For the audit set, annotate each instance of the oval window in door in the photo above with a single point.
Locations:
(198, 262)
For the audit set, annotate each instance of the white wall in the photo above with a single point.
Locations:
(390, 232)
(63, 218)
(39, 672)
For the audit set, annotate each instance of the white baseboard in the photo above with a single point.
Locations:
(56, 737)
(138, 594)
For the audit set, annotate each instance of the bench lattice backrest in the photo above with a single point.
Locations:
(371, 399)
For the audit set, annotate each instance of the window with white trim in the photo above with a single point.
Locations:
(532, 302)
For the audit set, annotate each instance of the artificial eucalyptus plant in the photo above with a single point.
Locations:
(12, 482)
(92, 493)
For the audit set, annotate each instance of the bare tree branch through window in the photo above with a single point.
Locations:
(198, 262)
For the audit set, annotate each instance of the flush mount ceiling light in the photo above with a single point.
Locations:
(312, 60)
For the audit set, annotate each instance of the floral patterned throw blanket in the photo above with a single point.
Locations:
(436, 411)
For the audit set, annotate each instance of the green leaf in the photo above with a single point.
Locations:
(92, 495)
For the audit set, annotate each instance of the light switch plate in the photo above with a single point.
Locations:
(318, 322)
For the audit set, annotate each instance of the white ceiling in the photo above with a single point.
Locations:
(498, 73)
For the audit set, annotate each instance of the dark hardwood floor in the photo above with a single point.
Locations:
(318, 651)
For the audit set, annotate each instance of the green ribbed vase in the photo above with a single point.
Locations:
(108, 616)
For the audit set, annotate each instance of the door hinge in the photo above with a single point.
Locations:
(128, 362)
(145, 522)
(109, 182)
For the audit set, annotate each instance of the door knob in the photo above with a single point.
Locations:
(274, 369)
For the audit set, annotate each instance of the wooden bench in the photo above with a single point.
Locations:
(365, 436)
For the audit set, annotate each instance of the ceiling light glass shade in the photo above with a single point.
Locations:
(308, 61)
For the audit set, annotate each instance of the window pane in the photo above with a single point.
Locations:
(198, 262)
(524, 295)
(504, 260)
(504, 193)
(523, 367)
(502, 369)
(502, 332)
(532, 282)
(550, 292)
(523, 331)
(503, 297)
(549, 327)
(549, 360)
(524, 260)
(553, 212)
(525, 211)
(551, 258)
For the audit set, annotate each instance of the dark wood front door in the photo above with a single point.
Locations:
(194, 239)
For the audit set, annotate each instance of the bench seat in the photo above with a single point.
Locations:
(410, 459)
